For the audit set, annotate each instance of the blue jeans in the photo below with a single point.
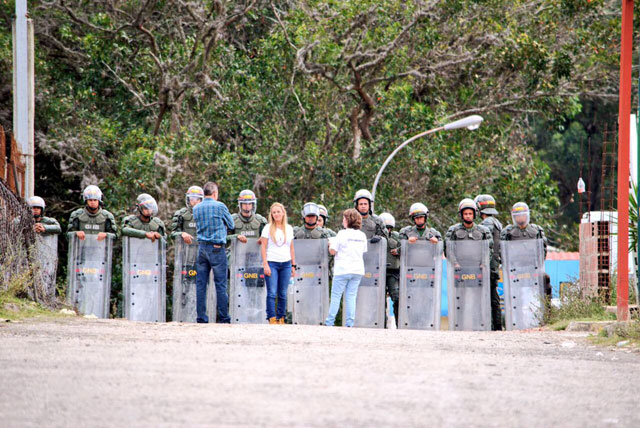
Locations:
(347, 284)
(277, 285)
(209, 258)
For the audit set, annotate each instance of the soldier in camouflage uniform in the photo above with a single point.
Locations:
(182, 224)
(323, 219)
(419, 213)
(44, 225)
(487, 206)
(393, 262)
(372, 226)
(467, 229)
(310, 229)
(523, 229)
(92, 219)
(247, 223)
(144, 224)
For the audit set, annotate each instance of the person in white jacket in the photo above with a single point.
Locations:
(348, 247)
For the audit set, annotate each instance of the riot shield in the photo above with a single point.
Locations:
(370, 301)
(184, 281)
(47, 247)
(143, 279)
(89, 275)
(247, 288)
(523, 276)
(468, 285)
(420, 285)
(311, 283)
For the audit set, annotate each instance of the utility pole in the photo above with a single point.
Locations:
(624, 121)
(23, 91)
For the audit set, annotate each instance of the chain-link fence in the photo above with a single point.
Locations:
(19, 267)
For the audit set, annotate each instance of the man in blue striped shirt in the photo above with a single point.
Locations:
(212, 221)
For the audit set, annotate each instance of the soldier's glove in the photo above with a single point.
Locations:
(375, 239)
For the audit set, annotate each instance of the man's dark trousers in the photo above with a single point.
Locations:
(211, 256)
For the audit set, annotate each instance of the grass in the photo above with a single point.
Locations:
(576, 307)
(14, 308)
(621, 332)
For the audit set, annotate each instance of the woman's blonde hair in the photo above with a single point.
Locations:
(273, 226)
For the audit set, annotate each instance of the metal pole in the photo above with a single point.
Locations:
(638, 194)
(386, 162)
(624, 112)
(23, 90)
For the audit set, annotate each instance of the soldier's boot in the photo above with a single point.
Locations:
(273, 320)
(281, 320)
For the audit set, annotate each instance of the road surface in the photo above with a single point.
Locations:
(75, 372)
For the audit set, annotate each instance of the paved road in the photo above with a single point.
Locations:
(77, 372)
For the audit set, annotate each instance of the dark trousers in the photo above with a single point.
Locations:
(496, 313)
(210, 257)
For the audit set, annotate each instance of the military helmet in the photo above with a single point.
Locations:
(247, 197)
(36, 202)
(360, 194)
(363, 193)
(194, 192)
(323, 212)
(92, 192)
(467, 203)
(388, 219)
(310, 208)
(520, 211)
(145, 200)
(486, 204)
(418, 209)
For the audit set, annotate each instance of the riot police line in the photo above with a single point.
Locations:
(405, 264)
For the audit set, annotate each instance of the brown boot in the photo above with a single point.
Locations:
(281, 320)
(273, 320)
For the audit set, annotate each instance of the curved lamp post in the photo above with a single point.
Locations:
(469, 122)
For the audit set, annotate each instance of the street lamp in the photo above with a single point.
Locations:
(469, 122)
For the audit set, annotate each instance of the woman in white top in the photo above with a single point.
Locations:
(278, 260)
(348, 247)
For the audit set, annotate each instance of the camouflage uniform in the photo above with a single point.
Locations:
(495, 227)
(458, 232)
(424, 234)
(373, 226)
(393, 271)
(50, 224)
(134, 227)
(531, 231)
(303, 232)
(250, 227)
(183, 221)
(92, 224)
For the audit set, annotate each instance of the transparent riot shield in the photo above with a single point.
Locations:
(311, 283)
(523, 276)
(143, 279)
(47, 247)
(370, 302)
(89, 275)
(420, 285)
(248, 290)
(184, 281)
(468, 285)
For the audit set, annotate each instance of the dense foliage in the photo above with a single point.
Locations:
(303, 100)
